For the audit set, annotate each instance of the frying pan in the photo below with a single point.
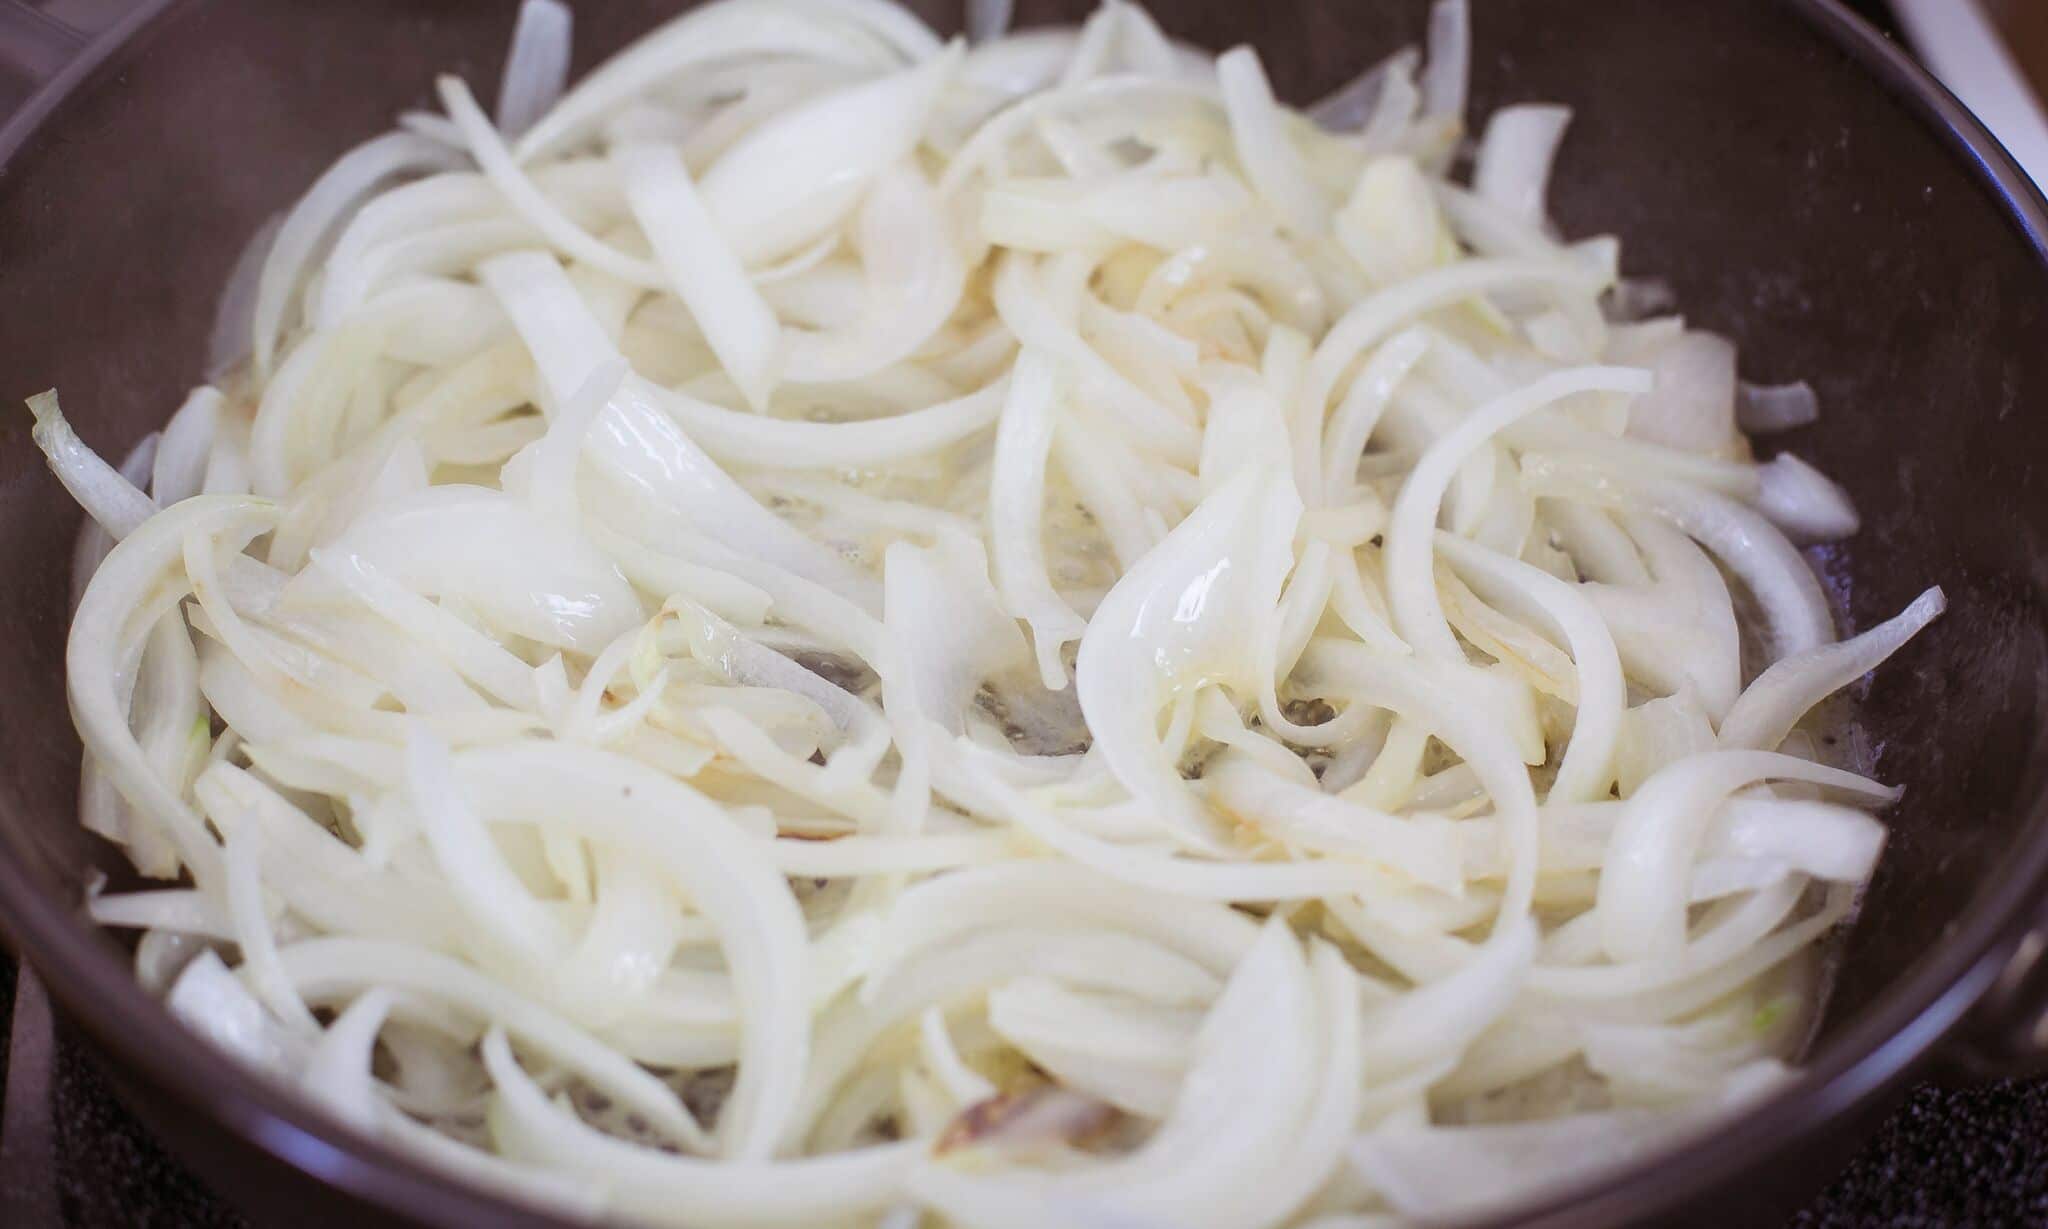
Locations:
(1803, 187)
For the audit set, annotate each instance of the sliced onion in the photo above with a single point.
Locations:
(1445, 78)
(1763, 409)
(1769, 708)
(1801, 500)
(1187, 608)
(1642, 898)
(537, 66)
(1264, 146)
(1515, 156)
(987, 19)
(702, 267)
(796, 177)
(313, 219)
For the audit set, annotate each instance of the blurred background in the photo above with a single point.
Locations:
(1993, 54)
(72, 1158)
(2025, 24)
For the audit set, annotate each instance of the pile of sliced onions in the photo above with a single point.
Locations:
(832, 627)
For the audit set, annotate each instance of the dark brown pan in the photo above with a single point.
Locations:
(1801, 184)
